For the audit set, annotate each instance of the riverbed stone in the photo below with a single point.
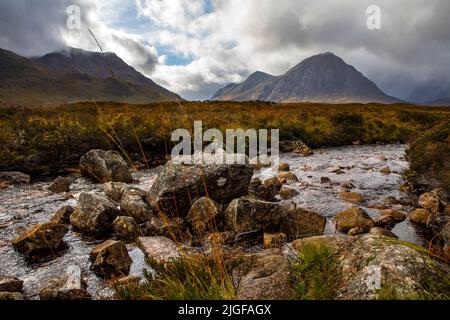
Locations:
(352, 218)
(296, 146)
(284, 177)
(283, 167)
(385, 170)
(60, 185)
(94, 213)
(268, 279)
(396, 215)
(104, 166)
(110, 259)
(383, 221)
(160, 249)
(133, 204)
(382, 232)
(70, 287)
(63, 215)
(356, 231)
(115, 190)
(274, 240)
(44, 237)
(7, 296)
(178, 186)
(204, 216)
(430, 201)
(263, 190)
(126, 228)
(353, 197)
(10, 284)
(419, 216)
(298, 223)
(14, 177)
(287, 193)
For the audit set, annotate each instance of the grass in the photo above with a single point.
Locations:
(51, 139)
(192, 277)
(316, 276)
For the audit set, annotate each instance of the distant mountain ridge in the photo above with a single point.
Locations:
(74, 75)
(321, 78)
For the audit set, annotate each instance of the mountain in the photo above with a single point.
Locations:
(444, 102)
(321, 78)
(74, 75)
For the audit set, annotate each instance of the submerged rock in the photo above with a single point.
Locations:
(111, 259)
(178, 186)
(105, 166)
(352, 218)
(44, 237)
(94, 213)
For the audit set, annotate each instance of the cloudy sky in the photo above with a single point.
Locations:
(193, 47)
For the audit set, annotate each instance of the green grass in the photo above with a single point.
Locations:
(317, 274)
(193, 277)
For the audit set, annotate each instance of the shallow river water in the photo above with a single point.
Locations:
(23, 206)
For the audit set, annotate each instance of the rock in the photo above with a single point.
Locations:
(347, 185)
(325, 180)
(384, 220)
(160, 249)
(419, 216)
(69, 287)
(45, 237)
(94, 213)
(178, 186)
(60, 185)
(10, 284)
(382, 232)
(287, 177)
(268, 279)
(266, 190)
(245, 214)
(126, 228)
(430, 201)
(14, 177)
(274, 240)
(62, 216)
(396, 215)
(111, 259)
(338, 171)
(250, 238)
(385, 170)
(356, 231)
(288, 193)
(352, 218)
(5, 296)
(445, 235)
(295, 146)
(115, 190)
(163, 227)
(382, 158)
(283, 167)
(133, 204)
(204, 216)
(219, 239)
(371, 262)
(298, 223)
(105, 166)
(353, 197)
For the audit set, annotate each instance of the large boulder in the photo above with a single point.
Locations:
(111, 259)
(105, 166)
(352, 218)
(160, 249)
(69, 287)
(94, 213)
(178, 186)
(268, 278)
(205, 215)
(246, 214)
(133, 204)
(45, 237)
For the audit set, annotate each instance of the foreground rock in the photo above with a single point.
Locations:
(60, 185)
(126, 228)
(105, 166)
(431, 201)
(352, 218)
(14, 177)
(94, 213)
(111, 259)
(45, 237)
(246, 214)
(115, 190)
(266, 190)
(369, 263)
(353, 197)
(204, 216)
(133, 204)
(10, 284)
(160, 249)
(70, 287)
(268, 279)
(178, 186)
(62, 216)
(419, 216)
